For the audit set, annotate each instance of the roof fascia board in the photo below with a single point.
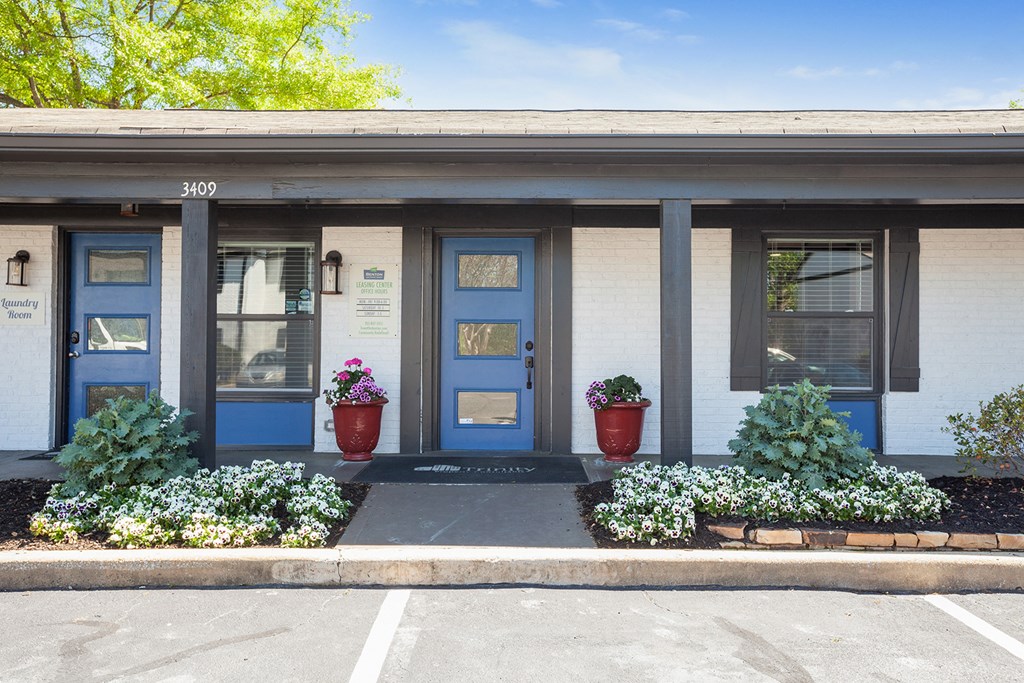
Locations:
(540, 146)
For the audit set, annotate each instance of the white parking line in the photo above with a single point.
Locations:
(1011, 645)
(375, 650)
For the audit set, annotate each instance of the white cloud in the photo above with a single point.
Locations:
(547, 4)
(638, 31)
(810, 74)
(675, 14)
(632, 29)
(494, 50)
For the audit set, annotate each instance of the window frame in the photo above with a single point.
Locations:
(877, 315)
(279, 235)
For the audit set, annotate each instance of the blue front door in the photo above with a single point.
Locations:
(114, 320)
(487, 343)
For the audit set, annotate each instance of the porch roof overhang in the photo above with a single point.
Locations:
(569, 157)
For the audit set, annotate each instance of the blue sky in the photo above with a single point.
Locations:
(773, 54)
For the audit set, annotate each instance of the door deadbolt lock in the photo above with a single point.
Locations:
(75, 338)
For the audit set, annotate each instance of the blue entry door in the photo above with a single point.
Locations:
(114, 320)
(487, 343)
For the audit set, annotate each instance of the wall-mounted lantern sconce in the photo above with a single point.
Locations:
(130, 210)
(16, 269)
(330, 273)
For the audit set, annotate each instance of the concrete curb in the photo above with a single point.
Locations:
(465, 566)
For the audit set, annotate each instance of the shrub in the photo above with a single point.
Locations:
(127, 442)
(792, 432)
(995, 437)
(229, 507)
(602, 394)
(652, 503)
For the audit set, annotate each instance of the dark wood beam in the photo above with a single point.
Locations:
(199, 324)
(676, 333)
(812, 218)
(410, 432)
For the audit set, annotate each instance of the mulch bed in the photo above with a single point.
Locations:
(20, 498)
(979, 505)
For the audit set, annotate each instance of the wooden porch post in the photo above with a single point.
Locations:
(199, 324)
(676, 332)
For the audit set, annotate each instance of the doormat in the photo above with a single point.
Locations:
(460, 469)
(48, 455)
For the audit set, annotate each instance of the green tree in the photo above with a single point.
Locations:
(206, 54)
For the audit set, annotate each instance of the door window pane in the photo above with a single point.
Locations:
(832, 351)
(489, 271)
(265, 279)
(117, 334)
(118, 266)
(265, 354)
(96, 395)
(487, 407)
(820, 275)
(488, 339)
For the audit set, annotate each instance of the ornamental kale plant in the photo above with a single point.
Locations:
(355, 384)
(793, 433)
(614, 390)
(128, 442)
(995, 437)
(652, 503)
(229, 507)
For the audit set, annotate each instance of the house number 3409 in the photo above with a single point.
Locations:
(200, 189)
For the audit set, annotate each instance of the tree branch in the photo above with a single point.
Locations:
(174, 15)
(298, 38)
(76, 73)
(14, 102)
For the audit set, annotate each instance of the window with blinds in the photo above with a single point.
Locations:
(265, 324)
(822, 321)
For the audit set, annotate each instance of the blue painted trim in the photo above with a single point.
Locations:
(149, 333)
(518, 424)
(519, 330)
(149, 271)
(490, 252)
(863, 418)
(247, 423)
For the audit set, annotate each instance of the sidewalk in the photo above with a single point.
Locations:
(493, 534)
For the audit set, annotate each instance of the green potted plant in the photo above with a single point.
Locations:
(357, 403)
(618, 404)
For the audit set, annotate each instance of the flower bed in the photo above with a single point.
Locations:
(229, 507)
(654, 503)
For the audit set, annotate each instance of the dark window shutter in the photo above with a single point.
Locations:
(748, 350)
(904, 310)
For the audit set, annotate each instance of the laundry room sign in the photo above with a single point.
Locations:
(23, 308)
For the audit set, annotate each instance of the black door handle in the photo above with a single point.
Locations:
(529, 372)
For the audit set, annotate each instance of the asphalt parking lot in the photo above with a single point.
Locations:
(508, 634)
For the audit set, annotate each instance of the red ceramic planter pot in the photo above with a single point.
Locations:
(357, 428)
(620, 429)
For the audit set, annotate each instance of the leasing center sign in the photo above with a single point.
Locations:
(22, 308)
(373, 300)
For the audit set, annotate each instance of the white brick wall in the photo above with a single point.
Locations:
(972, 334)
(717, 411)
(170, 316)
(359, 245)
(26, 358)
(615, 322)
